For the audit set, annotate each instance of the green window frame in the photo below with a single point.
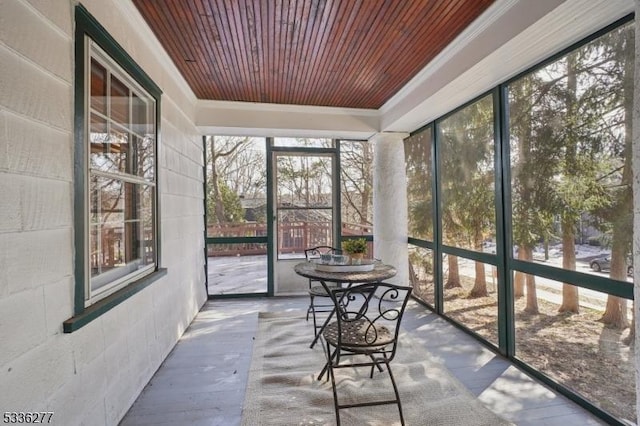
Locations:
(116, 129)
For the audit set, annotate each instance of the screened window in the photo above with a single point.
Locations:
(468, 181)
(570, 138)
(417, 150)
(356, 194)
(120, 186)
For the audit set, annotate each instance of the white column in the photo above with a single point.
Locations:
(636, 204)
(390, 203)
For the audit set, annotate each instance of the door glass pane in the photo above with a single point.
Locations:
(299, 229)
(304, 181)
(236, 186)
(304, 199)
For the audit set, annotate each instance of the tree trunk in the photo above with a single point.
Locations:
(480, 284)
(453, 280)
(367, 185)
(216, 194)
(570, 299)
(518, 281)
(570, 292)
(631, 338)
(532, 296)
(615, 314)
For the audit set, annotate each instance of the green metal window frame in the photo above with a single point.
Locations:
(88, 26)
(504, 261)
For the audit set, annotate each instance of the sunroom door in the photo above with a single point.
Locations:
(305, 211)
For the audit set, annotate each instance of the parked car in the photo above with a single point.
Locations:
(604, 263)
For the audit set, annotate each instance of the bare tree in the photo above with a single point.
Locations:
(220, 148)
(356, 172)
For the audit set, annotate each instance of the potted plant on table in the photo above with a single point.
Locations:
(355, 248)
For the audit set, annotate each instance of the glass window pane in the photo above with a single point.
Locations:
(577, 350)
(236, 186)
(118, 149)
(148, 244)
(467, 158)
(107, 225)
(145, 150)
(421, 274)
(141, 120)
(570, 141)
(119, 101)
(108, 148)
(119, 211)
(304, 181)
(417, 151)
(122, 240)
(356, 176)
(299, 229)
(144, 140)
(98, 87)
(470, 295)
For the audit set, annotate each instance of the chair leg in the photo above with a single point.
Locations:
(375, 364)
(335, 391)
(310, 308)
(330, 356)
(315, 321)
(395, 390)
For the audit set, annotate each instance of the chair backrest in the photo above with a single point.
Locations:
(315, 252)
(376, 308)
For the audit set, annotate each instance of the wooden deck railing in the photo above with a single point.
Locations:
(292, 238)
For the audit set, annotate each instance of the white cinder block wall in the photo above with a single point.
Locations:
(93, 375)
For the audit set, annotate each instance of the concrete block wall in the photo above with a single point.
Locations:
(93, 375)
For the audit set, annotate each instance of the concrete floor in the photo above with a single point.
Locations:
(237, 274)
(203, 380)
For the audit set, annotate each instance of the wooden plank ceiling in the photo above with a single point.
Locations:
(341, 53)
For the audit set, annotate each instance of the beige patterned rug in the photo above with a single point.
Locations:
(283, 390)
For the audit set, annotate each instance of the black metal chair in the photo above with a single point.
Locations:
(317, 290)
(366, 329)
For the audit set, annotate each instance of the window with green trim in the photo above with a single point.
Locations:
(121, 176)
(117, 106)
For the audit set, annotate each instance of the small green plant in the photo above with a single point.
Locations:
(358, 245)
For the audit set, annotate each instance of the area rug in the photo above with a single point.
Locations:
(283, 388)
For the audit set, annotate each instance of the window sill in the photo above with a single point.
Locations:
(105, 305)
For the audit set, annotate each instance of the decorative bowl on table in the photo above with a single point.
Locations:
(339, 259)
(365, 266)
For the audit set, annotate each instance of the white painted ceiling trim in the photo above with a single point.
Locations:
(254, 119)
